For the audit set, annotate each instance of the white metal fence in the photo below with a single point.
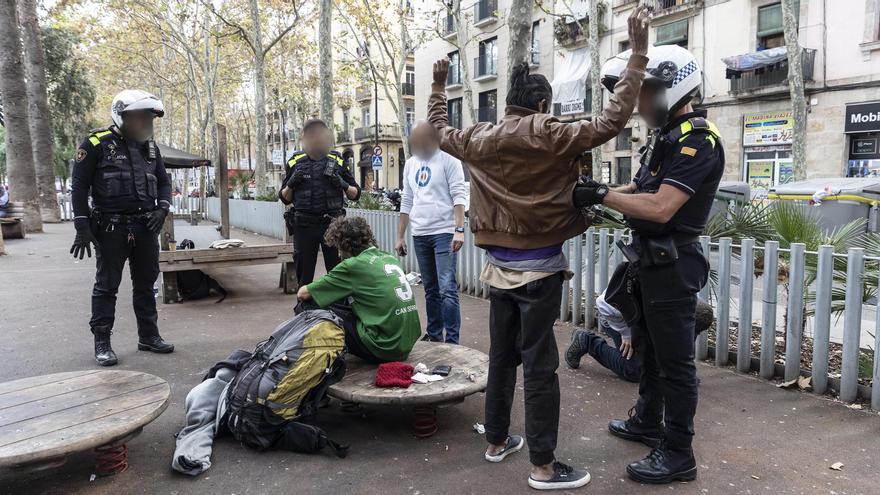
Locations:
(180, 205)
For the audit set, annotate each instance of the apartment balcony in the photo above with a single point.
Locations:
(485, 69)
(453, 80)
(770, 77)
(568, 33)
(343, 137)
(572, 108)
(369, 133)
(487, 114)
(447, 27)
(621, 4)
(485, 12)
(669, 7)
(363, 93)
(408, 90)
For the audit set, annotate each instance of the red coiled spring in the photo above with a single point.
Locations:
(424, 421)
(111, 459)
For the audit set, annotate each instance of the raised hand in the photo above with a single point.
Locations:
(441, 70)
(638, 30)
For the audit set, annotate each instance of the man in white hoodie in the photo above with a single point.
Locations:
(433, 201)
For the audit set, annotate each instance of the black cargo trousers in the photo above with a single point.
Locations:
(124, 238)
(308, 237)
(664, 335)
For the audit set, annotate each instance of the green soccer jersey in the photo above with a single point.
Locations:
(387, 316)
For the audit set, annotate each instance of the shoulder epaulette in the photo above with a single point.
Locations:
(96, 136)
(692, 125)
(297, 156)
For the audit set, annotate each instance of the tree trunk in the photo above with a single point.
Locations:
(796, 90)
(595, 85)
(464, 61)
(519, 23)
(19, 159)
(38, 110)
(260, 173)
(401, 104)
(325, 42)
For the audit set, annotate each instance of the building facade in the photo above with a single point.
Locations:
(740, 46)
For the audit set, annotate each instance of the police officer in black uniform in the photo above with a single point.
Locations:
(316, 184)
(666, 206)
(122, 170)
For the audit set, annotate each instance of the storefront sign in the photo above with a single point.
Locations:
(571, 107)
(760, 174)
(864, 146)
(862, 117)
(769, 128)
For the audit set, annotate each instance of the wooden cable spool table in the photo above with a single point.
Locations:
(470, 370)
(44, 419)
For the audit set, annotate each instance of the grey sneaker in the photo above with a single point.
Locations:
(564, 477)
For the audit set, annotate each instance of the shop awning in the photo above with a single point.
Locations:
(175, 158)
(570, 81)
(746, 62)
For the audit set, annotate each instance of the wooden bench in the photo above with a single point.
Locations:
(12, 225)
(44, 419)
(470, 370)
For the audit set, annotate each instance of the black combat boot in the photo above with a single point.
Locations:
(664, 465)
(104, 354)
(154, 343)
(636, 430)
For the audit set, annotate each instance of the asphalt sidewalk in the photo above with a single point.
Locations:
(751, 436)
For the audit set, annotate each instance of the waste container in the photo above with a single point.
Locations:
(730, 192)
(848, 199)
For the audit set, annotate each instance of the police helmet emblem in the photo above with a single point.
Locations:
(666, 71)
(119, 107)
(80, 155)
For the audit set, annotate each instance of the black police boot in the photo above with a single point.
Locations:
(636, 430)
(154, 343)
(664, 465)
(104, 354)
(580, 345)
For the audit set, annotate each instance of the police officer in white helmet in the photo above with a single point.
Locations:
(121, 169)
(666, 205)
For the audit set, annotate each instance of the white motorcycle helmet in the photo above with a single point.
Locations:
(671, 68)
(134, 99)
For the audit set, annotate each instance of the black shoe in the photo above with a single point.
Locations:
(636, 430)
(155, 344)
(564, 477)
(428, 338)
(104, 354)
(664, 465)
(580, 345)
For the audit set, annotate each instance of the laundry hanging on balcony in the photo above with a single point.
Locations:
(757, 62)
(570, 83)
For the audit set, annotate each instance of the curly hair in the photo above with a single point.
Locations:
(527, 90)
(350, 235)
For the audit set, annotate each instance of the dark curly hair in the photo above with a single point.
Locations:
(527, 90)
(350, 235)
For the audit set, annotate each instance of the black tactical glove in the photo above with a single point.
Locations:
(299, 175)
(589, 195)
(156, 219)
(585, 180)
(84, 238)
(338, 181)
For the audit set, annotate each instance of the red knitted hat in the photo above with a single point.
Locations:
(394, 374)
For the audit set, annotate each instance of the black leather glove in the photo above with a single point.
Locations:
(585, 180)
(84, 239)
(299, 175)
(338, 181)
(156, 219)
(588, 195)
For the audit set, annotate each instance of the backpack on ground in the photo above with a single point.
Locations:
(196, 284)
(274, 398)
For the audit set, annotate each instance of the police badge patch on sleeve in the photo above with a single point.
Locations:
(80, 155)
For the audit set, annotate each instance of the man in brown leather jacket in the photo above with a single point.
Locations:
(522, 179)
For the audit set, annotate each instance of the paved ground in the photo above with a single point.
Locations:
(752, 437)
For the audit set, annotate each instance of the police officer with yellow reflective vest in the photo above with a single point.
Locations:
(316, 183)
(666, 206)
(122, 170)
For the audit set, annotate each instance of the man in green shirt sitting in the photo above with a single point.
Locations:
(385, 320)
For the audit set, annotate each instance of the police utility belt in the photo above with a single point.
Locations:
(112, 221)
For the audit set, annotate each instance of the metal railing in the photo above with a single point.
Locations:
(485, 10)
(621, 3)
(453, 78)
(535, 54)
(772, 76)
(408, 89)
(343, 137)
(448, 27)
(487, 114)
(363, 93)
(668, 4)
(369, 132)
(485, 66)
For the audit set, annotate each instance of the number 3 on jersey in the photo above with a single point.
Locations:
(404, 292)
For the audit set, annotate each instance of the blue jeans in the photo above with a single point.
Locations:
(611, 358)
(437, 265)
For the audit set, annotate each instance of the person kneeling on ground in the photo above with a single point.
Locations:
(383, 323)
(622, 358)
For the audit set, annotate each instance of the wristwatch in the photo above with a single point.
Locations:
(459, 230)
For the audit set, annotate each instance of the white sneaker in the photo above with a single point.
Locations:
(564, 477)
(514, 444)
